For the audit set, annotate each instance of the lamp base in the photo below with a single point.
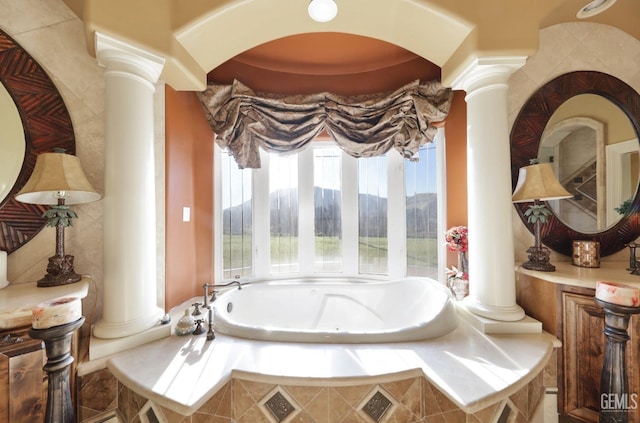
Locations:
(59, 272)
(539, 260)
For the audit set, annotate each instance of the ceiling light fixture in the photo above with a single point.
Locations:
(322, 10)
(594, 7)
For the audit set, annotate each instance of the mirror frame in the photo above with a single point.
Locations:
(47, 125)
(527, 132)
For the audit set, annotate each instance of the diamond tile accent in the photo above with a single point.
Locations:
(279, 407)
(377, 405)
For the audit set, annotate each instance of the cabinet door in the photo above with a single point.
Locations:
(584, 350)
(22, 394)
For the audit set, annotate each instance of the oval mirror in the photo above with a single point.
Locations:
(12, 143)
(593, 150)
(45, 124)
(537, 121)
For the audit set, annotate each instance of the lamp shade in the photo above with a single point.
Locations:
(538, 182)
(57, 175)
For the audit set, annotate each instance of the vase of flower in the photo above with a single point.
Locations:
(463, 263)
(458, 282)
(460, 288)
(458, 278)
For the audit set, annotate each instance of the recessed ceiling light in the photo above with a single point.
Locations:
(593, 8)
(322, 10)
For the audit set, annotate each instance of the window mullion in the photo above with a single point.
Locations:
(261, 218)
(218, 258)
(350, 214)
(396, 216)
(441, 181)
(306, 244)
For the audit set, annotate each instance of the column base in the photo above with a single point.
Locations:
(485, 325)
(111, 330)
(503, 314)
(100, 348)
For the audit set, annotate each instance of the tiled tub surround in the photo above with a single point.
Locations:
(243, 399)
(470, 370)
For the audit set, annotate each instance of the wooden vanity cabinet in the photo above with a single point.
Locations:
(22, 380)
(570, 313)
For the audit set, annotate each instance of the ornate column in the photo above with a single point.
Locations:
(129, 290)
(491, 257)
(57, 341)
(615, 398)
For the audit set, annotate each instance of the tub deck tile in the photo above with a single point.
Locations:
(470, 369)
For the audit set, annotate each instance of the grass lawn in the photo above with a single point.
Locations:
(421, 252)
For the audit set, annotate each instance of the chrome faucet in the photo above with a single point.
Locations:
(214, 293)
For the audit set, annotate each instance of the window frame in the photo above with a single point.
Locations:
(396, 209)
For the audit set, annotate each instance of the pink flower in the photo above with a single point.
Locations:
(456, 239)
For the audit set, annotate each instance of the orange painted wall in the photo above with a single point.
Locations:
(456, 133)
(189, 183)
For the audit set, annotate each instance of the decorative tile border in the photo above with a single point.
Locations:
(409, 400)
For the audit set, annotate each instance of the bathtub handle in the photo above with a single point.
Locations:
(209, 300)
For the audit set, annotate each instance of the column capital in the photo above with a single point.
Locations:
(118, 56)
(484, 72)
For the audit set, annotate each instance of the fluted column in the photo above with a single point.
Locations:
(129, 290)
(491, 256)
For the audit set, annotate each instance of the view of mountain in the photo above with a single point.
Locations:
(421, 214)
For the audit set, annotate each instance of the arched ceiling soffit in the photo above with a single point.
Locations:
(423, 28)
(316, 62)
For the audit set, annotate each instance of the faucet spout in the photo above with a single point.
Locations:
(206, 287)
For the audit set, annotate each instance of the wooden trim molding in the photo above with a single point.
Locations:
(47, 125)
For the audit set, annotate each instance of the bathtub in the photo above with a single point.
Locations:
(337, 311)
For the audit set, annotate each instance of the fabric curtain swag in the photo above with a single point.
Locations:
(363, 125)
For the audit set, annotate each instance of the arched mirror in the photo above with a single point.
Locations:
(31, 105)
(586, 124)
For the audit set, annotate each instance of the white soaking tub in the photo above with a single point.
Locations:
(337, 311)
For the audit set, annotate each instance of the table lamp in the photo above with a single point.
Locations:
(537, 183)
(58, 180)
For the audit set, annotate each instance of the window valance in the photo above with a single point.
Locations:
(362, 125)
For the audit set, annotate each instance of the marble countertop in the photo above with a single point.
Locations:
(568, 274)
(473, 369)
(17, 300)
